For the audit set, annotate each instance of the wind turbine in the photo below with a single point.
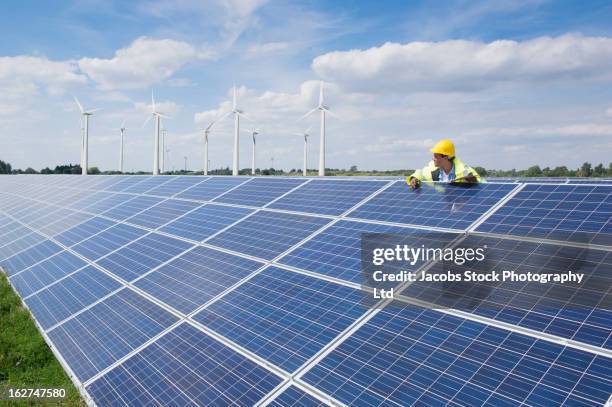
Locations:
(122, 130)
(305, 134)
(163, 147)
(254, 133)
(207, 131)
(323, 109)
(158, 116)
(85, 134)
(237, 115)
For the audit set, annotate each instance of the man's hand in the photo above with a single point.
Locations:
(414, 183)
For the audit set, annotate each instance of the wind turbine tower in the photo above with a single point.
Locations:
(323, 109)
(85, 136)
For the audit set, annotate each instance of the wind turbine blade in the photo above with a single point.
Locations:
(245, 116)
(297, 134)
(221, 118)
(332, 114)
(308, 114)
(79, 104)
(123, 124)
(320, 93)
(146, 121)
(163, 115)
(152, 101)
(234, 102)
(308, 129)
(93, 110)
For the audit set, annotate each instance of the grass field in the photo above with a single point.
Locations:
(25, 359)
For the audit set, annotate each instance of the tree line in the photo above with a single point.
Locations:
(585, 170)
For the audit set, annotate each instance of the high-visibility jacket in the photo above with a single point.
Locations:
(432, 173)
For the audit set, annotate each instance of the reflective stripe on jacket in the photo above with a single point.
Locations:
(432, 173)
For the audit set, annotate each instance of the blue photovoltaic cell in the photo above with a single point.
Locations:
(107, 241)
(107, 203)
(440, 205)
(577, 213)
(211, 188)
(589, 181)
(196, 277)
(19, 244)
(205, 221)
(46, 272)
(267, 234)
(135, 259)
(148, 184)
(185, 367)
(132, 207)
(89, 198)
(327, 197)
(259, 191)
(83, 231)
(578, 311)
(64, 223)
(175, 186)
(409, 356)
(294, 396)
(125, 183)
(57, 302)
(284, 317)
(336, 252)
(29, 257)
(162, 213)
(99, 336)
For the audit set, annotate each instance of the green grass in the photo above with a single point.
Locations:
(25, 359)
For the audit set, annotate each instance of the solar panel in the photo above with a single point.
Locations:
(125, 183)
(68, 296)
(578, 311)
(336, 252)
(205, 221)
(83, 231)
(175, 186)
(195, 277)
(30, 256)
(252, 298)
(578, 213)
(284, 317)
(107, 241)
(259, 191)
(162, 213)
(185, 367)
(211, 188)
(451, 207)
(327, 197)
(267, 234)
(131, 207)
(142, 255)
(46, 272)
(99, 336)
(407, 355)
(146, 185)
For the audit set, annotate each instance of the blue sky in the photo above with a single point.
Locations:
(514, 83)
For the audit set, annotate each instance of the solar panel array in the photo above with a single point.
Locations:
(185, 290)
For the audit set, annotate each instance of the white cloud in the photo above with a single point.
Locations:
(23, 77)
(609, 112)
(144, 63)
(463, 65)
(257, 50)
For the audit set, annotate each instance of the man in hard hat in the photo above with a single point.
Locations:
(444, 167)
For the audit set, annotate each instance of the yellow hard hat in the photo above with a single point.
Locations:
(444, 147)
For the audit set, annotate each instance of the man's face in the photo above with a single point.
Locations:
(438, 159)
